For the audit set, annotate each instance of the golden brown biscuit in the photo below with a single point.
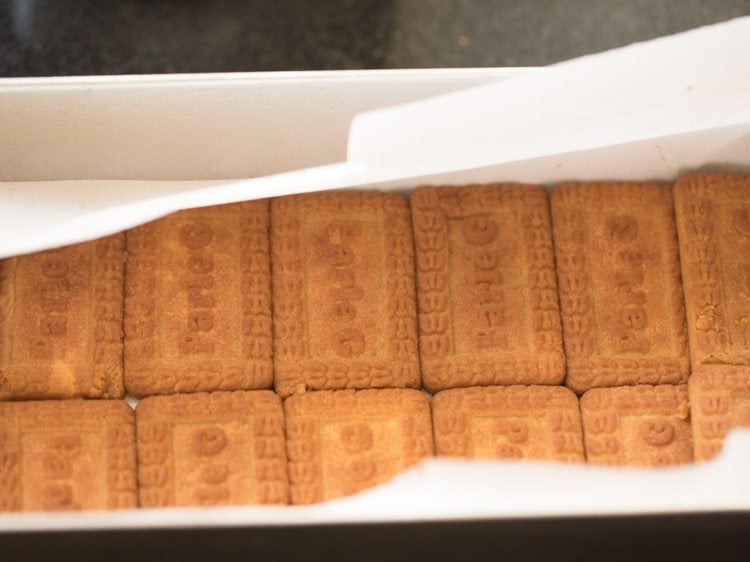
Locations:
(219, 448)
(487, 292)
(61, 322)
(341, 442)
(198, 302)
(620, 292)
(637, 425)
(67, 455)
(508, 422)
(719, 401)
(713, 222)
(343, 292)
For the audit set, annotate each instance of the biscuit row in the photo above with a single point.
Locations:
(246, 447)
(456, 287)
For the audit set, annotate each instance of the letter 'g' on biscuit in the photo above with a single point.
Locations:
(67, 455)
(220, 448)
(719, 401)
(713, 221)
(620, 292)
(637, 425)
(508, 422)
(61, 322)
(343, 292)
(487, 292)
(341, 442)
(198, 302)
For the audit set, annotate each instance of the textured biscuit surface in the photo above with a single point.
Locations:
(343, 292)
(713, 222)
(620, 292)
(341, 442)
(719, 401)
(217, 448)
(61, 322)
(67, 455)
(637, 425)
(508, 422)
(487, 292)
(198, 302)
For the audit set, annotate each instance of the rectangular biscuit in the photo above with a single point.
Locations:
(508, 422)
(67, 455)
(637, 425)
(719, 401)
(343, 292)
(220, 448)
(713, 223)
(198, 302)
(341, 442)
(620, 292)
(61, 322)
(487, 292)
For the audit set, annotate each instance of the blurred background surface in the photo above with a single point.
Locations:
(80, 37)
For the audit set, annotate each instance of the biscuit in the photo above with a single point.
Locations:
(341, 442)
(220, 448)
(487, 292)
(61, 322)
(198, 302)
(637, 425)
(620, 292)
(508, 422)
(343, 292)
(719, 401)
(67, 455)
(713, 222)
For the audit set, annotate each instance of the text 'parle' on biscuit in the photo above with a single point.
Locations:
(220, 448)
(637, 425)
(198, 302)
(719, 401)
(487, 293)
(620, 292)
(341, 442)
(61, 322)
(67, 455)
(508, 422)
(713, 222)
(343, 292)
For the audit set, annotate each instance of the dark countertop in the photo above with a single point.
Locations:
(78, 37)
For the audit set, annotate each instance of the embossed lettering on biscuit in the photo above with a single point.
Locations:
(198, 302)
(720, 400)
(67, 455)
(220, 448)
(639, 425)
(487, 293)
(508, 422)
(343, 288)
(713, 221)
(61, 322)
(341, 442)
(620, 291)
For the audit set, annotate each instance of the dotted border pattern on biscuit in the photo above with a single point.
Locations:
(156, 415)
(79, 415)
(144, 374)
(713, 390)
(294, 369)
(584, 369)
(453, 408)
(305, 413)
(696, 198)
(104, 365)
(441, 367)
(602, 409)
